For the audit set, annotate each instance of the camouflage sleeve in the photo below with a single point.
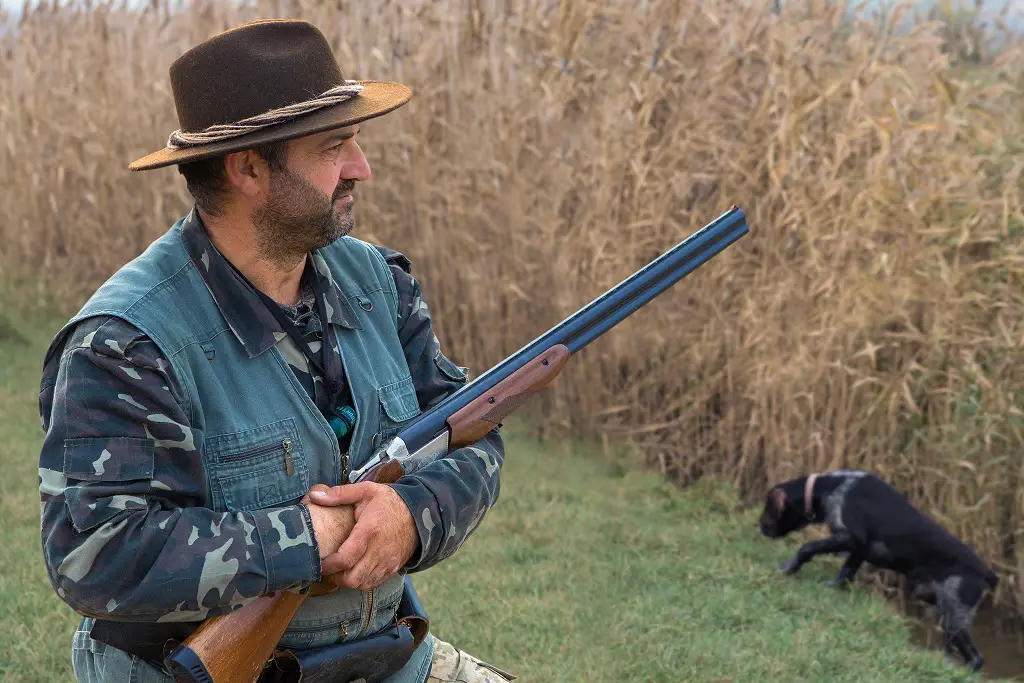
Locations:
(125, 533)
(449, 498)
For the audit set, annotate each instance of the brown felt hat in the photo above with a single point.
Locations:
(263, 82)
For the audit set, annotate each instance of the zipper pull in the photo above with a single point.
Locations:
(344, 468)
(289, 466)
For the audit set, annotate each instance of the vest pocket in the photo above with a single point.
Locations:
(398, 403)
(258, 468)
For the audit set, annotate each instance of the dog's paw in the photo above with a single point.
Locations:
(839, 584)
(790, 566)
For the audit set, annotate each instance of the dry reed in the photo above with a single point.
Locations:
(872, 318)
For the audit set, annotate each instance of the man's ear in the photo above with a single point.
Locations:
(247, 172)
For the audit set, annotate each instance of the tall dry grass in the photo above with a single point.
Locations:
(873, 317)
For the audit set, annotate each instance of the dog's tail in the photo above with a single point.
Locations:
(991, 578)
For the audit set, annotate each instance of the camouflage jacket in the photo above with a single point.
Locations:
(116, 553)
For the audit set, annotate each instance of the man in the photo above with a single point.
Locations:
(251, 352)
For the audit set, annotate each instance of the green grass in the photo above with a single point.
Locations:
(587, 570)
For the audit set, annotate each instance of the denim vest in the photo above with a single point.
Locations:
(249, 409)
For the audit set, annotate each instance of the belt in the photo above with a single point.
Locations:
(367, 660)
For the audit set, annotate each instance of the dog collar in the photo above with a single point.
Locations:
(808, 496)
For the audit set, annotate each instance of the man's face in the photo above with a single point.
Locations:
(309, 203)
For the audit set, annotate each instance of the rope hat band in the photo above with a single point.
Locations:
(336, 95)
(260, 83)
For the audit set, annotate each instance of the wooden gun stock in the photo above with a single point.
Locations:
(476, 419)
(234, 647)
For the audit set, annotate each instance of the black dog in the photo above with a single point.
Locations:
(875, 523)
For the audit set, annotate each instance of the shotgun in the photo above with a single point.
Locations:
(235, 647)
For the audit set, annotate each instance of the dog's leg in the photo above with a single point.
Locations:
(959, 642)
(854, 560)
(957, 602)
(972, 658)
(839, 543)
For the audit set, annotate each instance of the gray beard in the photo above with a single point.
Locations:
(297, 218)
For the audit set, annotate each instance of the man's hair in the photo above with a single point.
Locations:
(206, 178)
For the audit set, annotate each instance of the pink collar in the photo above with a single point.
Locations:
(808, 496)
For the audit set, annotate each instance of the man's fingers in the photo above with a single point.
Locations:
(346, 494)
(352, 579)
(380, 576)
(350, 552)
(338, 579)
(316, 487)
(360, 576)
(333, 564)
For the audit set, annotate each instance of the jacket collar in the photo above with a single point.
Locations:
(250, 321)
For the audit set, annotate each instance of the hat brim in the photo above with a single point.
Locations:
(377, 98)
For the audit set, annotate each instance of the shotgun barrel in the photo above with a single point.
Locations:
(576, 331)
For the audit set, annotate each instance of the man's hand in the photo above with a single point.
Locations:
(331, 525)
(382, 541)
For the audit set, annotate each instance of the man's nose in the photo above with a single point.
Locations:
(355, 167)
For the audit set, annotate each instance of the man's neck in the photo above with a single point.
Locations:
(278, 280)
